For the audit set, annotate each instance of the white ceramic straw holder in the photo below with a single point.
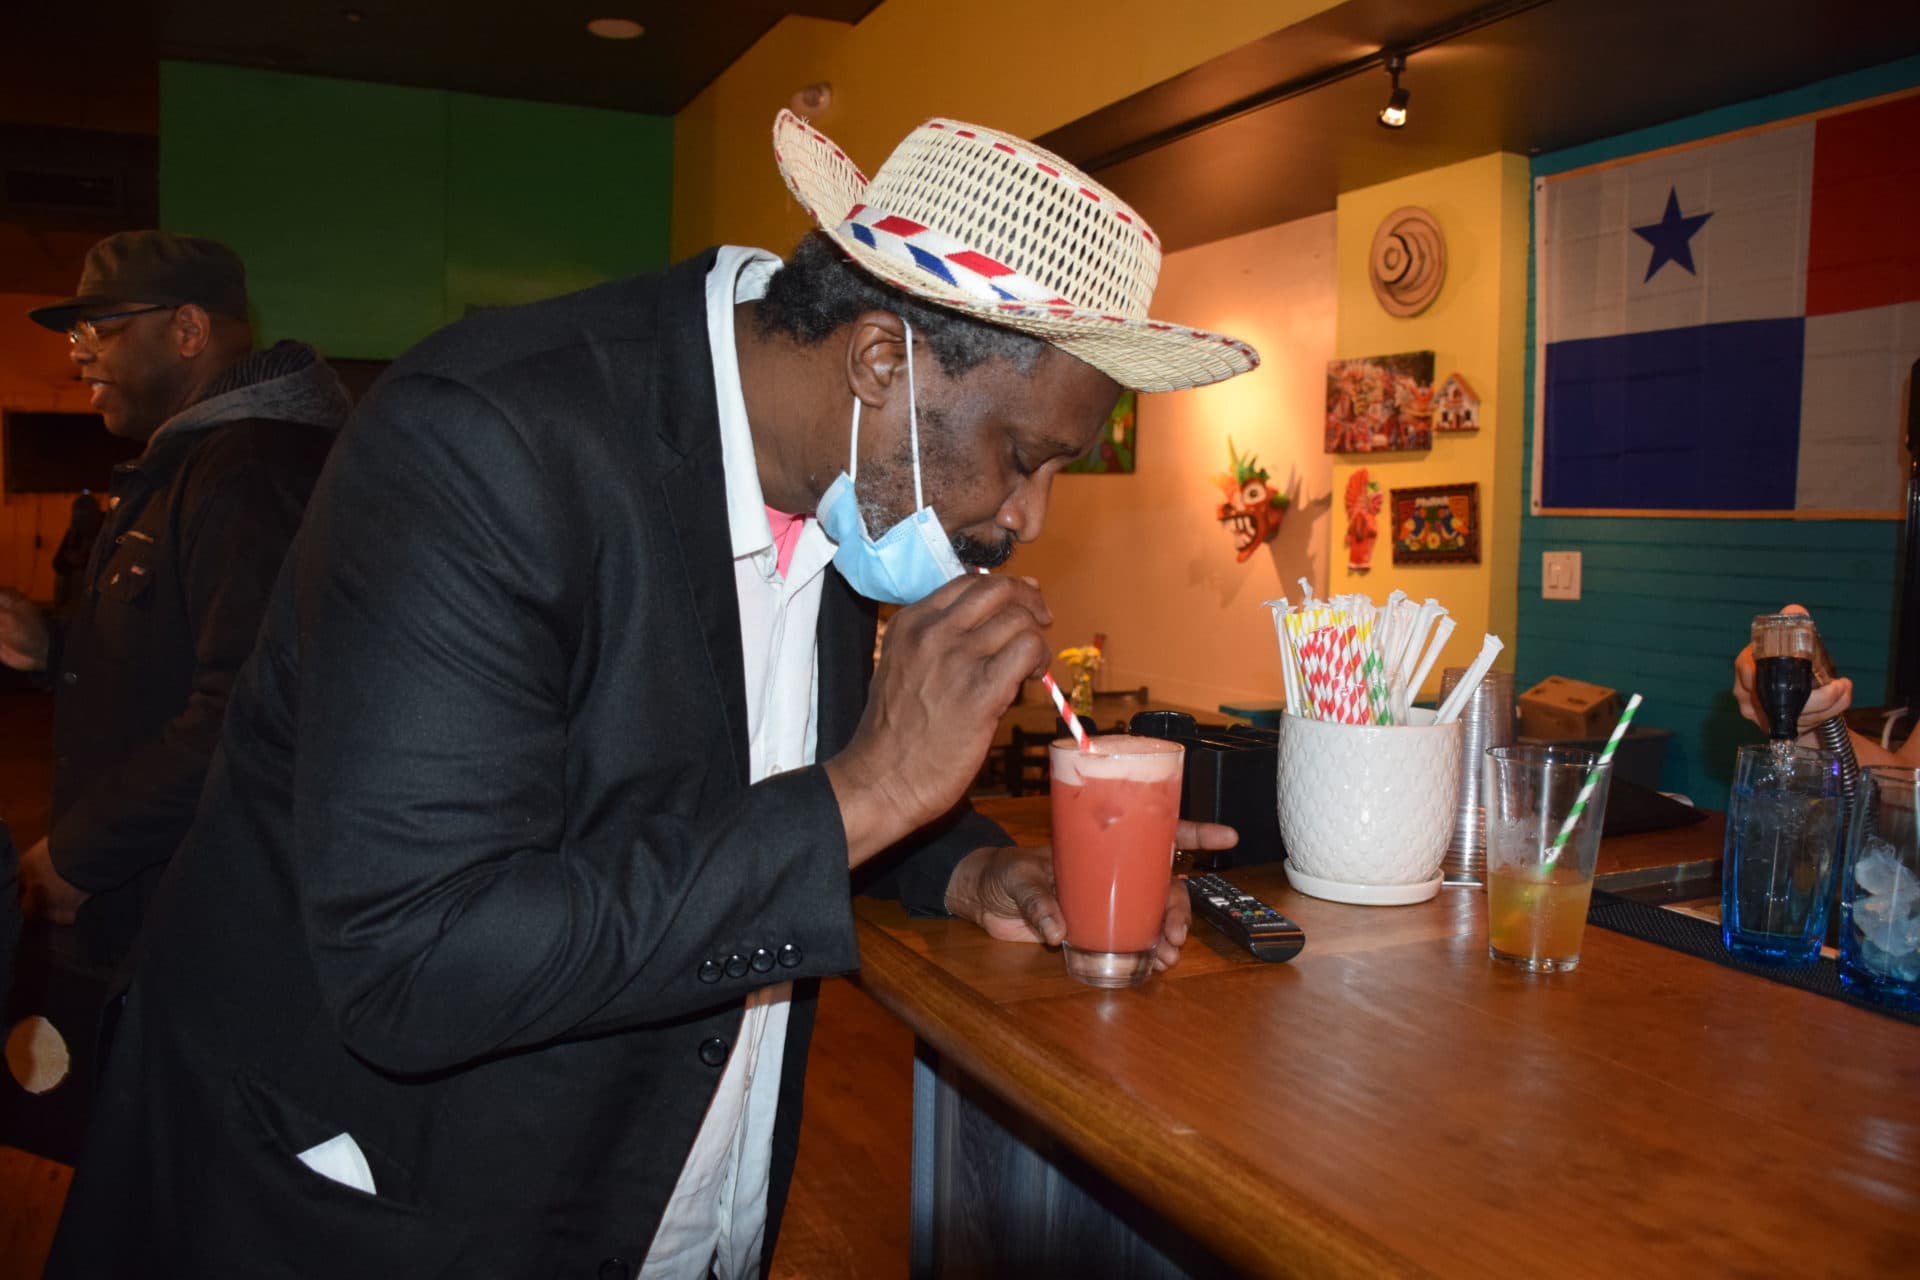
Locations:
(1367, 810)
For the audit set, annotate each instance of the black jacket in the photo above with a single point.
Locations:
(195, 533)
(479, 853)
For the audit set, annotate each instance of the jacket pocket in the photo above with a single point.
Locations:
(268, 1214)
(128, 573)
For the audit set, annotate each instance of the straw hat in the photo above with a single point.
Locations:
(990, 225)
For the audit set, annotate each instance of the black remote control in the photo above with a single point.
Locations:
(1245, 919)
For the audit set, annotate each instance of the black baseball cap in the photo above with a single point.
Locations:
(158, 268)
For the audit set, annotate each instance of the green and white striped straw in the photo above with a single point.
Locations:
(1593, 777)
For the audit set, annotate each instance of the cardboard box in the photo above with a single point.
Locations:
(1559, 708)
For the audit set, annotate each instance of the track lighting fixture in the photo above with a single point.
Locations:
(1394, 114)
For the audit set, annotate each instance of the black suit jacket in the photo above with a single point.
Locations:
(479, 845)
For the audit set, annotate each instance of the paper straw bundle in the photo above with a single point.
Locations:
(1353, 662)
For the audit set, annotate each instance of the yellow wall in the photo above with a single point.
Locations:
(1143, 557)
(1026, 66)
(1477, 327)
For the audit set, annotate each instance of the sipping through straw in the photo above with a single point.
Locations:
(1066, 713)
(1593, 777)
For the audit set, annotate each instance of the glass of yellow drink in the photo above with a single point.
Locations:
(1538, 885)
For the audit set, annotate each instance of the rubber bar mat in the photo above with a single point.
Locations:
(1701, 938)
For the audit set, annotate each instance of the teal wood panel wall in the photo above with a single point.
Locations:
(370, 215)
(1665, 603)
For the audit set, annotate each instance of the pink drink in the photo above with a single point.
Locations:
(1114, 810)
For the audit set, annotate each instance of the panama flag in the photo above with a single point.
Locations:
(1729, 327)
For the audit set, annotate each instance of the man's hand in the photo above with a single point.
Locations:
(23, 632)
(1009, 892)
(1823, 704)
(950, 668)
(43, 894)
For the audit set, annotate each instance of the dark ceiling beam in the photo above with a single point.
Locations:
(1452, 29)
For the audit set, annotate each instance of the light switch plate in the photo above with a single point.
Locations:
(1559, 575)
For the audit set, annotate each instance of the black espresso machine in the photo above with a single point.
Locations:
(1230, 778)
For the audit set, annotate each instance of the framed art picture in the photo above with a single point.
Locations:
(1380, 404)
(1112, 453)
(1437, 524)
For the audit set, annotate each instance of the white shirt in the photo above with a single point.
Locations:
(717, 1216)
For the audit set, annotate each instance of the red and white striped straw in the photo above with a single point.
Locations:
(1060, 702)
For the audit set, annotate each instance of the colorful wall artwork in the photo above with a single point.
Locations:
(1113, 452)
(1254, 508)
(1456, 406)
(1364, 501)
(1437, 524)
(1379, 404)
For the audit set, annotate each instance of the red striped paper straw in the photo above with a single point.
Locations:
(1060, 702)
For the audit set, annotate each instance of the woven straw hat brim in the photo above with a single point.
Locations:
(1144, 354)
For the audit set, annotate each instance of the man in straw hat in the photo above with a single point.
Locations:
(538, 810)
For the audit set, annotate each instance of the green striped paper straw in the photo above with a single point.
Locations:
(1593, 777)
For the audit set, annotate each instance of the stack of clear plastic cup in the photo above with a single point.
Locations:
(1486, 722)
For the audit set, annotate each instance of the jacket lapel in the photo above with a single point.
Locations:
(695, 492)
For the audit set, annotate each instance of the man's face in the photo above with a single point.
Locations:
(132, 371)
(991, 441)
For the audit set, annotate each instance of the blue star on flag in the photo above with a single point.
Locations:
(1670, 236)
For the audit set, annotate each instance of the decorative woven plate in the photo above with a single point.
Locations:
(1408, 261)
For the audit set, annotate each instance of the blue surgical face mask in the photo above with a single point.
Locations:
(910, 561)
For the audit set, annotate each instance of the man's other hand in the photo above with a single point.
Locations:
(43, 894)
(1008, 892)
(23, 632)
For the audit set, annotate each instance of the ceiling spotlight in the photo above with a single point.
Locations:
(1394, 114)
(616, 28)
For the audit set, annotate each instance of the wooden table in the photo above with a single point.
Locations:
(1391, 1102)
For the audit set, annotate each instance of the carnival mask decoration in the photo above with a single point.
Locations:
(1364, 501)
(1253, 509)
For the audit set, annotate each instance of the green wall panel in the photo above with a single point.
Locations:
(334, 192)
(542, 199)
(1665, 603)
(370, 215)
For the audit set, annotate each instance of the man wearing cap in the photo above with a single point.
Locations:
(564, 749)
(179, 576)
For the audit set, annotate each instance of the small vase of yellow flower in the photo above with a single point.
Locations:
(1081, 663)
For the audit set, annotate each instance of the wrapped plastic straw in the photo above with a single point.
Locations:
(1441, 634)
(1457, 699)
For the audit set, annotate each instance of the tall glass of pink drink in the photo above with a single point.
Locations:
(1114, 810)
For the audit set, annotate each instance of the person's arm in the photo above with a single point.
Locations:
(455, 906)
(239, 513)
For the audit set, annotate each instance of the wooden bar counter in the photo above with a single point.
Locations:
(1391, 1102)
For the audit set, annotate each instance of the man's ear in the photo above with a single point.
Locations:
(192, 330)
(876, 357)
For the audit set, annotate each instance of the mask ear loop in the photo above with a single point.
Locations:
(853, 462)
(913, 418)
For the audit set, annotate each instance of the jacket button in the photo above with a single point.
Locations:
(709, 971)
(615, 1269)
(762, 960)
(69, 677)
(736, 965)
(789, 956)
(713, 1052)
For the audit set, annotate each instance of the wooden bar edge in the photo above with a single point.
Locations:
(1254, 1225)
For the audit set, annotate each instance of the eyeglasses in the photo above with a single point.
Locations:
(85, 330)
